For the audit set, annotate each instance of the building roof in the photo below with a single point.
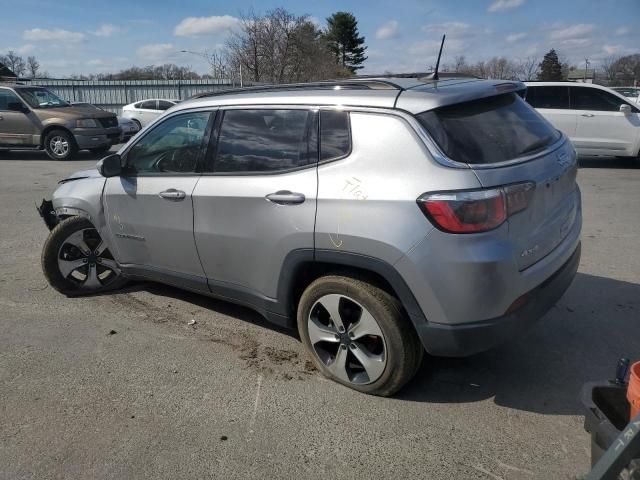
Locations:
(6, 73)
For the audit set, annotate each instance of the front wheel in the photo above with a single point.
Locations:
(60, 145)
(76, 261)
(358, 335)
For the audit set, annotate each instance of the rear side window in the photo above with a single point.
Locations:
(548, 97)
(164, 105)
(264, 140)
(587, 98)
(335, 141)
(488, 130)
(7, 97)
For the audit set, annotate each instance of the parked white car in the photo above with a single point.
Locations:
(146, 111)
(598, 120)
(632, 93)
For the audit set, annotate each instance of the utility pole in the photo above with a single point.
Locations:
(586, 68)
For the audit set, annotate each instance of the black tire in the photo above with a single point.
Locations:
(58, 246)
(137, 122)
(100, 150)
(71, 147)
(403, 350)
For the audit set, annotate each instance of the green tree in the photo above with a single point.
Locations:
(344, 41)
(550, 67)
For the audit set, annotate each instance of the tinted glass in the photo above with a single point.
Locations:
(7, 97)
(335, 140)
(548, 97)
(264, 141)
(174, 145)
(586, 98)
(149, 105)
(488, 130)
(164, 105)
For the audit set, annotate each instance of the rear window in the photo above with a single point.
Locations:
(489, 130)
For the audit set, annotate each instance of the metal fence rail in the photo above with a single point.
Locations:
(112, 95)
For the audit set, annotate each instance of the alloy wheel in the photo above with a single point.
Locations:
(84, 260)
(59, 145)
(347, 339)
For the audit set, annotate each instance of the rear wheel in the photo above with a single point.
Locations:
(76, 261)
(358, 335)
(60, 145)
(137, 123)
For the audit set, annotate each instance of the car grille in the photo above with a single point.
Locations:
(108, 122)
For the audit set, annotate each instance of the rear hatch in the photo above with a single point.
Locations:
(507, 142)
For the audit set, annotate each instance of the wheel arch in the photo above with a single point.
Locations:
(50, 128)
(301, 267)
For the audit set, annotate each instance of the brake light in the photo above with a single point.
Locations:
(475, 211)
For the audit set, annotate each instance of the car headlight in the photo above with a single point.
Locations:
(86, 123)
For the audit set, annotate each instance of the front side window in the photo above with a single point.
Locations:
(548, 97)
(7, 97)
(41, 98)
(175, 145)
(335, 141)
(149, 105)
(489, 130)
(586, 98)
(264, 140)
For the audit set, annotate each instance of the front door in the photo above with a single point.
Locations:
(257, 201)
(149, 209)
(16, 128)
(602, 128)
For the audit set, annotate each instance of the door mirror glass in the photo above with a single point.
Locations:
(110, 166)
(17, 107)
(626, 109)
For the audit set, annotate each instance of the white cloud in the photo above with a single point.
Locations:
(622, 31)
(95, 62)
(193, 26)
(22, 50)
(561, 32)
(106, 30)
(53, 35)
(155, 51)
(387, 30)
(516, 37)
(450, 28)
(611, 49)
(502, 5)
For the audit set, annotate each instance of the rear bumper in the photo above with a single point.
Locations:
(466, 339)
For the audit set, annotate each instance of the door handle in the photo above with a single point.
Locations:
(285, 197)
(588, 115)
(173, 194)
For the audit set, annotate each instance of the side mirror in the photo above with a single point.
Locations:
(110, 166)
(626, 109)
(17, 107)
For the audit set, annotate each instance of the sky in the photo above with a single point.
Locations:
(87, 36)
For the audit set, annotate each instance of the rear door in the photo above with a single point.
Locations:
(602, 129)
(257, 201)
(149, 209)
(553, 104)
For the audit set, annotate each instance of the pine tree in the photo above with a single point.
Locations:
(344, 40)
(550, 67)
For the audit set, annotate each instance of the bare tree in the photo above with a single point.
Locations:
(33, 66)
(526, 68)
(281, 47)
(15, 63)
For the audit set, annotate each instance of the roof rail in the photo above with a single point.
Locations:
(347, 84)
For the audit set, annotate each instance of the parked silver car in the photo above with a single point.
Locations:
(382, 217)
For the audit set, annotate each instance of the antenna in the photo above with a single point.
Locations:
(434, 75)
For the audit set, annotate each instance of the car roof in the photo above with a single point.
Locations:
(411, 94)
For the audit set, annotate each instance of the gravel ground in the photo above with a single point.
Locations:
(232, 397)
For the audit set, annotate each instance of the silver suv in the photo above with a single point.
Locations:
(382, 217)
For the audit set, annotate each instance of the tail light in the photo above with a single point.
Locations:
(476, 210)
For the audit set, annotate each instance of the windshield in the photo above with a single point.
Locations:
(489, 130)
(628, 92)
(41, 98)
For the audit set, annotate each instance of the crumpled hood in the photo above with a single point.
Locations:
(91, 173)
